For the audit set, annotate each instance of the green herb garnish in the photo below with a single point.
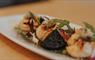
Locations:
(55, 21)
(91, 28)
(64, 22)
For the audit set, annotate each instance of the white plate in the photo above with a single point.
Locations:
(7, 29)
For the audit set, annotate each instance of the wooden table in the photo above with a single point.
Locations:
(75, 11)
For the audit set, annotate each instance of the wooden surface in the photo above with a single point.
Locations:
(73, 10)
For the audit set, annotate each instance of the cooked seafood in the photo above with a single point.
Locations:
(80, 51)
(43, 31)
(51, 34)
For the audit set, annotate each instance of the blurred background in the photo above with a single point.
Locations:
(73, 10)
(5, 3)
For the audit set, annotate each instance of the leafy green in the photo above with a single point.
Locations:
(89, 26)
(61, 22)
(64, 22)
(92, 29)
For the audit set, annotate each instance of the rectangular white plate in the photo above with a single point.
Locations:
(7, 25)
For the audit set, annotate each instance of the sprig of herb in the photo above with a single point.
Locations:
(89, 26)
(61, 22)
(92, 29)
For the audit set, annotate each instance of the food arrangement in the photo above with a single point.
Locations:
(58, 35)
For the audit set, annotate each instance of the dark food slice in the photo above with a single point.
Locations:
(54, 41)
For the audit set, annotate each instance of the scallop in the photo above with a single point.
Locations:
(75, 50)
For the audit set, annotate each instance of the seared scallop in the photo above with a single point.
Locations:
(76, 51)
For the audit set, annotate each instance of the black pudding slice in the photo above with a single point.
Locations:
(54, 41)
